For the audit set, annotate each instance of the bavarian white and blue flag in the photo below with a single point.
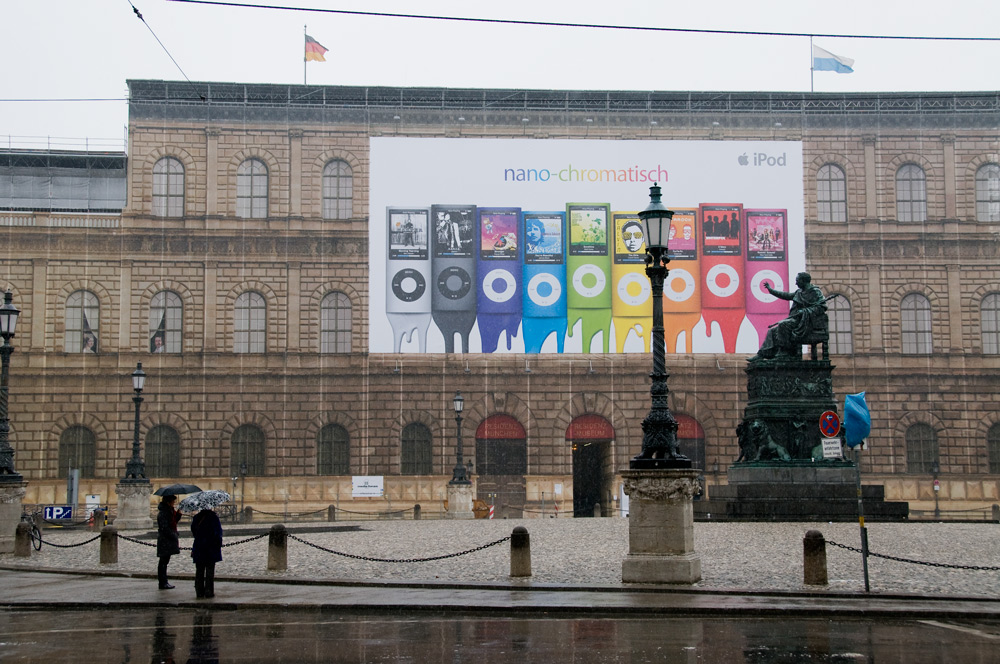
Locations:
(824, 60)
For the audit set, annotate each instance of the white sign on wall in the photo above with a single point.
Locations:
(367, 486)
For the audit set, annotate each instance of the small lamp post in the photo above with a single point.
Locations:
(458, 474)
(935, 469)
(135, 468)
(8, 322)
(659, 429)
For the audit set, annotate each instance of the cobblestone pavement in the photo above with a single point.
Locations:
(734, 556)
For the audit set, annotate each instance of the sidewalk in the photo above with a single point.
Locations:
(57, 589)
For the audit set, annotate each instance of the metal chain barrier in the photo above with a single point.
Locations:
(244, 541)
(187, 548)
(372, 513)
(289, 514)
(70, 546)
(915, 562)
(398, 560)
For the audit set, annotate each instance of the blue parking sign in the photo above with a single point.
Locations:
(56, 512)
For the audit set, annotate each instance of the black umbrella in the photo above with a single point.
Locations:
(176, 490)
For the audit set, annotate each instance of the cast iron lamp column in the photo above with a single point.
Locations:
(659, 429)
(458, 474)
(8, 321)
(135, 468)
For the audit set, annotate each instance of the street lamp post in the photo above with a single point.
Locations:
(135, 468)
(8, 322)
(458, 473)
(659, 429)
(935, 469)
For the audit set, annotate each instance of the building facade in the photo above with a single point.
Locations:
(238, 269)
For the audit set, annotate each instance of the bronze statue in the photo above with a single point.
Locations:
(756, 443)
(806, 323)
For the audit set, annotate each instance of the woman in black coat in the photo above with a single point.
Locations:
(206, 551)
(167, 543)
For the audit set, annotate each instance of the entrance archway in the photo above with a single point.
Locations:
(590, 438)
(691, 440)
(501, 463)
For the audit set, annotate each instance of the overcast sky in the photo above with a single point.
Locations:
(58, 52)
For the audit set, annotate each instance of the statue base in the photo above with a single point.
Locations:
(11, 494)
(661, 526)
(460, 502)
(133, 506)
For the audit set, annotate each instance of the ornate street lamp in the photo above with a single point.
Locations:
(135, 468)
(8, 322)
(659, 429)
(458, 474)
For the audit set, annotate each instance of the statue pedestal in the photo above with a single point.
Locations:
(661, 526)
(133, 506)
(11, 494)
(459, 502)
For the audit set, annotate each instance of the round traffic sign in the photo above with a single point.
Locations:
(829, 424)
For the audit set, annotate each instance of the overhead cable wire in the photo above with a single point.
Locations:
(165, 50)
(558, 24)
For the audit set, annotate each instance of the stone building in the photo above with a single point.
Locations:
(237, 271)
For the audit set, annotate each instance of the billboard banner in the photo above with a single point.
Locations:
(529, 245)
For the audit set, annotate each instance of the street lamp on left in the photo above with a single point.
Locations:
(458, 473)
(460, 487)
(135, 468)
(8, 322)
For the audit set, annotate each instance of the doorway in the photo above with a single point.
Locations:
(590, 438)
(501, 463)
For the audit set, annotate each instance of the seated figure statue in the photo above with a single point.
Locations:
(806, 323)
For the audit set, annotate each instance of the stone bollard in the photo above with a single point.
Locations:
(277, 548)
(520, 552)
(597, 510)
(22, 541)
(98, 517)
(109, 545)
(814, 559)
(416, 512)
(996, 513)
(247, 514)
(331, 513)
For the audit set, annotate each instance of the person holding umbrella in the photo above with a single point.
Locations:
(167, 542)
(207, 531)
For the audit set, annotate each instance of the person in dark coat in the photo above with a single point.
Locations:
(206, 551)
(167, 543)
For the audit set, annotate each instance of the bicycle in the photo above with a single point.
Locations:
(34, 531)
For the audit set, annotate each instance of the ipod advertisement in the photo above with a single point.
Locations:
(519, 245)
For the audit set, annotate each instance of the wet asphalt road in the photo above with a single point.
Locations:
(264, 635)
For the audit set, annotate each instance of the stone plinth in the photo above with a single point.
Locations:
(661, 526)
(460, 502)
(11, 494)
(133, 506)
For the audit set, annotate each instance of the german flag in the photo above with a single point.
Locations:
(314, 50)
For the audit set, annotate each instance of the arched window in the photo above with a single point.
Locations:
(338, 190)
(921, 449)
(993, 448)
(246, 455)
(78, 450)
(83, 322)
(333, 451)
(915, 325)
(989, 313)
(831, 193)
(335, 323)
(168, 188)
(250, 323)
(415, 450)
(911, 193)
(251, 190)
(841, 335)
(988, 193)
(166, 316)
(163, 452)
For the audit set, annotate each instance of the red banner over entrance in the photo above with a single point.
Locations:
(688, 427)
(590, 427)
(500, 427)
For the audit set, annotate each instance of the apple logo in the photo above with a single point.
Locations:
(743, 159)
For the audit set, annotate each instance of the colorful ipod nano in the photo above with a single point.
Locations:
(631, 296)
(544, 279)
(499, 267)
(453, 274)
(408, 274)
(682, 288)
(723, 296)
(588, 272)
(766, 262)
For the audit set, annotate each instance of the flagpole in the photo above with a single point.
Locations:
(305, 29)
(812, 64)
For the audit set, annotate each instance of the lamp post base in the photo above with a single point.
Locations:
(133, 506)
(11, 494)
(661, 526)
(459, 502)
